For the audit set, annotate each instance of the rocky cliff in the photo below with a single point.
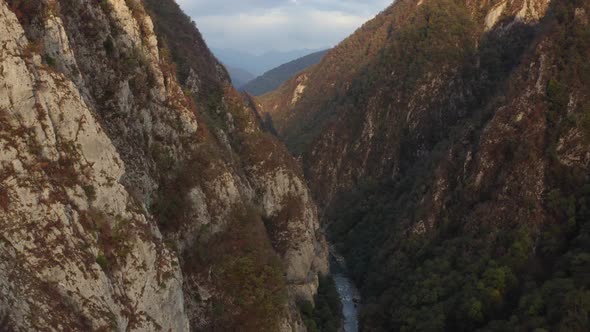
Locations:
(446, 144)
(137, 191)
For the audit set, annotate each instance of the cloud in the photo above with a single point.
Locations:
(264, 25)
(222, 7)
(229, 7)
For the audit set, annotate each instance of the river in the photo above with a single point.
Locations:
(348, 292)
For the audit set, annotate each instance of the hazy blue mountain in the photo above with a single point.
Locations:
(239, 77)
(273, 78)
(258, 63)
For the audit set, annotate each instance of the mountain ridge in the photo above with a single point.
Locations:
(239, 76)
(258, 63)
(444, 142)
(275, 77)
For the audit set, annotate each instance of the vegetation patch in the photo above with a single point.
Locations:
(113, 234)
(103, 262)
(491, 278)
(189, 52)
(4, 199)
(326, 316)
(50, 61)
(26, 10)
(90, 192)
(247, 274)
(584, 122)
(278, 226)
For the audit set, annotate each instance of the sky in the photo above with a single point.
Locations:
(258, 26)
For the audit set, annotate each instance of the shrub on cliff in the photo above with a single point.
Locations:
(326, 316)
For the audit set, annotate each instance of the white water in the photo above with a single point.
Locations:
(347, 291)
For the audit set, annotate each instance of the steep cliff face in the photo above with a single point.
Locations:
(396, 69)
(137, 190)
(450, 158)
(78, 251)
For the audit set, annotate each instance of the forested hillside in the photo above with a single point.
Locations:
(273, 78)
(447, 144)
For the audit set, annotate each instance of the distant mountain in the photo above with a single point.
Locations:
(273, 78)
(239, 77)
(258, 64)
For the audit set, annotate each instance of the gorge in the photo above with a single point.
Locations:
(442, 151)
(445, 145)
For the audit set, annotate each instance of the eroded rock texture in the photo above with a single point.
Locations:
(116, 176)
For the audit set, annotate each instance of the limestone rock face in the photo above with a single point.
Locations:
(114, 172)
(77, 250)
(293, 222)
(527, 11)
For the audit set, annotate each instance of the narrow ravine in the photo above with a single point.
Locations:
(349, 294)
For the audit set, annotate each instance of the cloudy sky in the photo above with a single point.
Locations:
(263, 25)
